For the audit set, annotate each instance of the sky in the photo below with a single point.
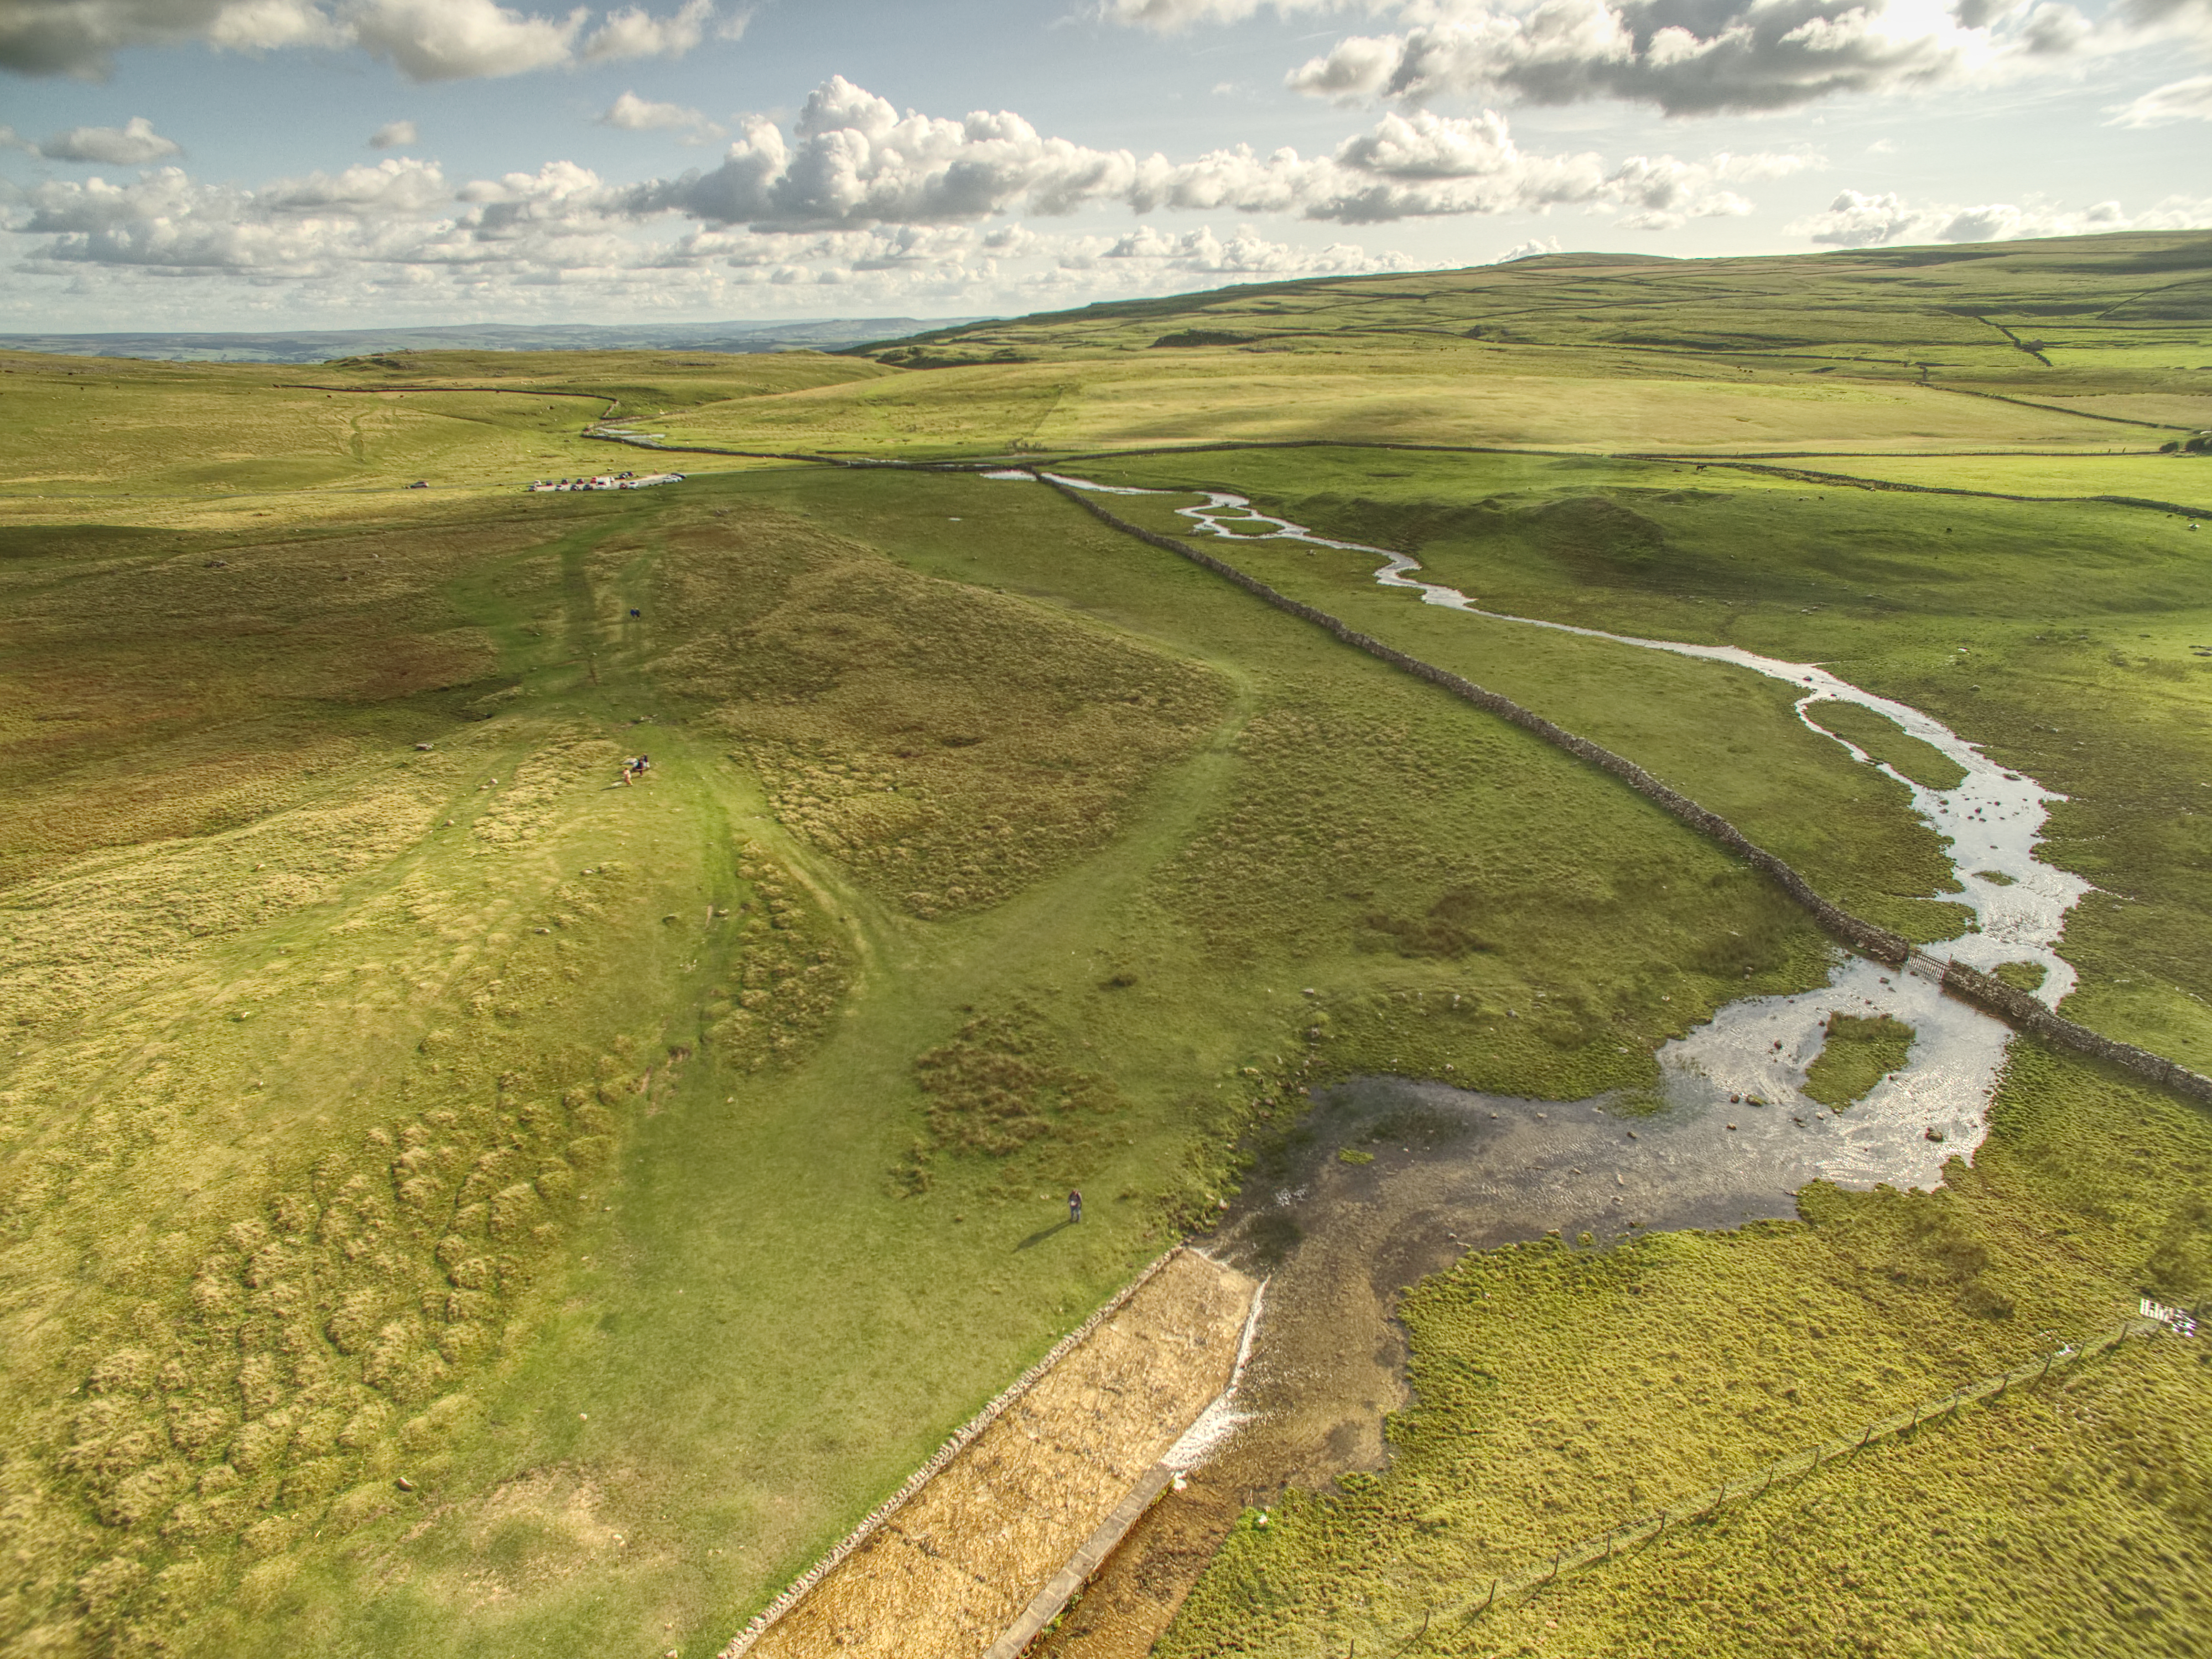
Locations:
(185, 165)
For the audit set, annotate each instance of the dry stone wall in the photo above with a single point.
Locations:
(2016, 1007)
(962, 1439)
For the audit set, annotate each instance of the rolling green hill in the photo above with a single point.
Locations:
(452, 1201)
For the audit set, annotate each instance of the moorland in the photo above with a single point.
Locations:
(455, 1201)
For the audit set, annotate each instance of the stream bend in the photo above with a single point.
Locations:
(1759, 1048)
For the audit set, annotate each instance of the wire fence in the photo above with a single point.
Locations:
(1507, 1590)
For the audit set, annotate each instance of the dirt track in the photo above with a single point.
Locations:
(959, 1563)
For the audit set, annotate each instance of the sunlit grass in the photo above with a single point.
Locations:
(642, 1175)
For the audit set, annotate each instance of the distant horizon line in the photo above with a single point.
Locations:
(735, 323)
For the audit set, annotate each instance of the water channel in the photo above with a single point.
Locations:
(1734, 1140)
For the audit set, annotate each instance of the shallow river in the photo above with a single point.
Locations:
(1473, 1170)
(1760, 1046)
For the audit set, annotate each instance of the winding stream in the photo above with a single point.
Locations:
(1735, 1140)
(1759, 1048)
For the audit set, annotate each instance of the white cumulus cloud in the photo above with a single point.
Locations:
(78, 37)
(426, 39)
(2180, 101)
(635, 32)
(1173, 16)
(1687, 57)
(166, 219)
(1858, 219)
(394, 134)
(462, 39)
(635, 115)
(132, 144)
(852, 159)
(1428, 166)
(2155, 19)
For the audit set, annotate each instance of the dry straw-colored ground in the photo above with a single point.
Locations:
(955, 1566)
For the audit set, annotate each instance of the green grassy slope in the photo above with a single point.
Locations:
(1982, 312)
(1876, 353)
(1382, 391)
(2063, 639)
(648, 1176)
(75, 427)
(723, 1271)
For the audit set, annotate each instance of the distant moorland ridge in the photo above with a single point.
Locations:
(320, 345)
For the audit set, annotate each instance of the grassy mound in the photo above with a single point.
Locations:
(1887, 742)
(1856, 1055)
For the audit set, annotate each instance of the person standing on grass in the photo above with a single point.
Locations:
(1074, 1207)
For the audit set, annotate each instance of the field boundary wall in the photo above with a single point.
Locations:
(1594, 1552)
(1838, 480)
(1051, 1601)
(796, 1591)
(1993, 996)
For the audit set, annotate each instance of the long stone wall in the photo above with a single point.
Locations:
(961, 1440)
(1838, 480)
(2016, 1007)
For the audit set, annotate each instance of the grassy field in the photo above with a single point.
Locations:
(498, 1170)
(1979, 312)
(2063, 640)
(1874, 353)
(451, 1202)
(1437, 392)
(1884, 741)
(75, 426)
(2180, 480)
(1857, 1055)
(1561, 1392)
